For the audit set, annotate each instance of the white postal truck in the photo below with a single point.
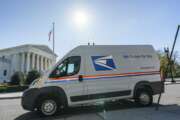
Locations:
(92, 74)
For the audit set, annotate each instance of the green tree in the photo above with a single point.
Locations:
(177, 68)
(31, 76)
(164, 63)
(17, 78)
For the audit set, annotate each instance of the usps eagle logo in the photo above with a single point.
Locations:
(103, 63)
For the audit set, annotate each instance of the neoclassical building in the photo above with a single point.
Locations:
(25, 58)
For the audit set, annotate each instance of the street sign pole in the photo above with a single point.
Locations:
(169, 65)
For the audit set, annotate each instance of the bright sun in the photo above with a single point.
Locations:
(80, 18)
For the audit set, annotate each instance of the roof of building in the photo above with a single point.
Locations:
(41, 47)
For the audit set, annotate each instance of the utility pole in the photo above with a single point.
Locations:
(169, 65)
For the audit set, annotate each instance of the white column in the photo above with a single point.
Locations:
(46, 63)
(16, 63)
(12, 64)
(33, 61)
(37, 62)
(22, 61)
(49, 63)
(41, 66)
(28, 62)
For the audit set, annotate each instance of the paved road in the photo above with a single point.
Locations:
(124, 110)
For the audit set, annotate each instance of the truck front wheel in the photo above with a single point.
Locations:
(48, 106)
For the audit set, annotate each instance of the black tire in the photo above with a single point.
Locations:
(48, 106)
(144, 97)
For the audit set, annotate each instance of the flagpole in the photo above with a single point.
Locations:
(53, 36)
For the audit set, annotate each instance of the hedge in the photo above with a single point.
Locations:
(10, 89)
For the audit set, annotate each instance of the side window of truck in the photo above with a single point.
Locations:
(73, 65)
(68, 67)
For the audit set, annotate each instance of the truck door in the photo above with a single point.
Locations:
(66, 75)
(76, 88)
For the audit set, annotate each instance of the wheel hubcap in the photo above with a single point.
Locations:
(144, 99)
(49, 107)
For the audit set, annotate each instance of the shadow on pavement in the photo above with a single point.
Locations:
(119, 105)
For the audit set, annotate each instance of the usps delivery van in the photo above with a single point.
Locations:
(92, 74)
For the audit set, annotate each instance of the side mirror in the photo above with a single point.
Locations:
(80, 78)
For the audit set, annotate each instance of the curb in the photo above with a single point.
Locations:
(15, 95)
(170, 83)
(4, 98)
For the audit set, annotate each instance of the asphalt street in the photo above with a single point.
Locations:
(11, 109)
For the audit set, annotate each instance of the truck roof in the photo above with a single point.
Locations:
(106, 48)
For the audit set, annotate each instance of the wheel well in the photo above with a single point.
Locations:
(54, 92)
(142, 85)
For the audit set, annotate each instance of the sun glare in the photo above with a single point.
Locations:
(80, 18)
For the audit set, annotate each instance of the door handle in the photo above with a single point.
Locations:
(80, 78)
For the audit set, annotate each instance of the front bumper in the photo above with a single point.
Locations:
(29, 98)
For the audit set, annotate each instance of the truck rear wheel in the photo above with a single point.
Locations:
(144, 97)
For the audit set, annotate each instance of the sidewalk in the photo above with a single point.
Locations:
(10, 95)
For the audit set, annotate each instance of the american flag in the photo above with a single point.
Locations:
(50, 32)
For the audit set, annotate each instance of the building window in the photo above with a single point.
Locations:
(5, 72)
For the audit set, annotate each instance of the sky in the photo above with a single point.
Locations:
(104, 22)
